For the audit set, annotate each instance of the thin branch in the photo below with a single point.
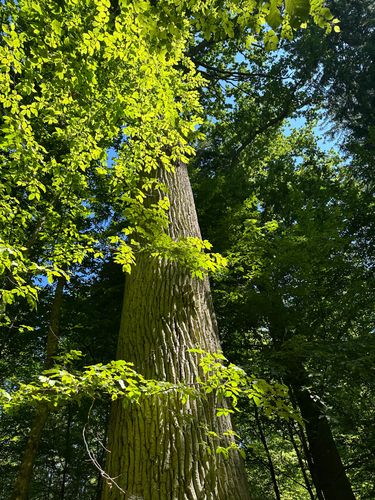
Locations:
(236, 75)
(271, 123)
(93, 458)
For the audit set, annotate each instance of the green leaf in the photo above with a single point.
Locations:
(36, 6)
(298, 11)
(274, 18)
(271, 41)
(56, 26)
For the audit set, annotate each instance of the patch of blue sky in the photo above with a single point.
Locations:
(327, 138)
(111, 156)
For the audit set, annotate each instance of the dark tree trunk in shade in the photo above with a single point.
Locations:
(301, 463)
(24, 478)
(329, 470)
(306, 451)
(326, 467)
(159, 449)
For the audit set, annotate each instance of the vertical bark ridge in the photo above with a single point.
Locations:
(160, 449)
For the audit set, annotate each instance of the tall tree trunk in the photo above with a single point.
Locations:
(23, 481)
(306, 451)
(301, 463)
(328, 467)
(160, 449)
(268, 454)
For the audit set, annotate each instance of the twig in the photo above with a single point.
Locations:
(92, 457)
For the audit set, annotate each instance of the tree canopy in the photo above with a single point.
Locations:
(104, 103)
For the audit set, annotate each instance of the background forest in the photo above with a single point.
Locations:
(283, 182)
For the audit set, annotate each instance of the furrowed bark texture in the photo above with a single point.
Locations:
(23, 481)
(159, 450)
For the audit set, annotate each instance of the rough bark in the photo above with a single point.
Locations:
(23, 481)
(159, 449)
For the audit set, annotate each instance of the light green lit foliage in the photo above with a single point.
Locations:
(231, 383)
(73, 80)
(190, 251)
(76, 78)
(118, 379)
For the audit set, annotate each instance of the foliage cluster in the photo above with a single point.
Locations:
(97, 98)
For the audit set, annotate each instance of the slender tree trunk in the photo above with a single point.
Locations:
(307, 454)
(66, 452)
(23, 481)
(328, 467)
(306, 451)
(300, 460)
(268, 454)
(160, 450)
